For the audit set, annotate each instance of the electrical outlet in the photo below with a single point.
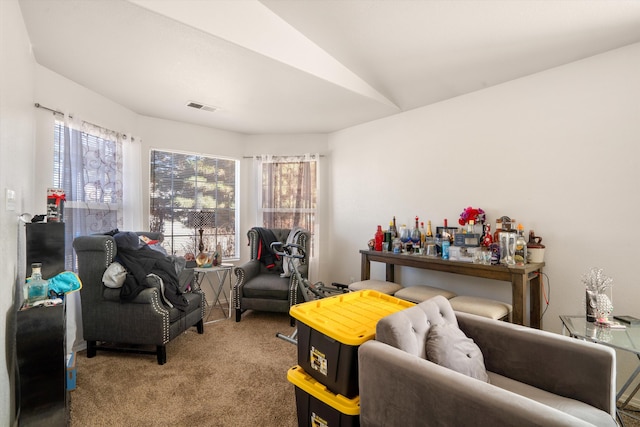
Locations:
(10, 198)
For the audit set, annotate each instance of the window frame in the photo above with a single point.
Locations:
(190, 239)
(309, 212)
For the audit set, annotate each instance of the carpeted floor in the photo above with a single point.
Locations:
(233, 375)
(632, 420)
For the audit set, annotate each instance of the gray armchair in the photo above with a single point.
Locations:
(535, 378)
(260, 288)
(111, 323)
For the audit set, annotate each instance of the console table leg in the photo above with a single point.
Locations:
(518, 298)
(365, 268)
(535, 299)
(390, 273)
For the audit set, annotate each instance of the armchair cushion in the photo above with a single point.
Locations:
(270, 286)
(448, 346)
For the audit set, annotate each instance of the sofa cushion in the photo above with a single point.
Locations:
(194, 299)
(569, 406)
(382, 286)
(408, 329)
(420, 293)
(267, 286)
(448, 346)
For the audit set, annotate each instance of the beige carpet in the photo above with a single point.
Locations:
(233, 375)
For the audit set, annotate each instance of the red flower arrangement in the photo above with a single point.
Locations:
(471, 214)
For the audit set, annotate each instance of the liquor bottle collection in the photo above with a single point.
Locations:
(473, 241)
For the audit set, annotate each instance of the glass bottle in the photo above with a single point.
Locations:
(445, 248)
(394, 230)
(429, 232)
(415, 235)
(445, 232)
(496, 233)
(423, 236)
(396, 246)
(471, 226)
(507, 246)
(379, 238)
(520, 256)
(37, 288)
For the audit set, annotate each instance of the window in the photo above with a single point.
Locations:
(288, 192)
(88, 166)
(183, 184)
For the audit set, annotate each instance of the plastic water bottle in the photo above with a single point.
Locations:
(445, 248)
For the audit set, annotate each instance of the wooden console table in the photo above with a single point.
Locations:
(519, 276)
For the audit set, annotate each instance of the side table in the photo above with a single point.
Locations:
(222, 272)
(627, 339)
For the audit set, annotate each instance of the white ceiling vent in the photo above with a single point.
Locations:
(201, 106)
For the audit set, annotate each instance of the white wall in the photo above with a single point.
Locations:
(557, 151)
(17, 146)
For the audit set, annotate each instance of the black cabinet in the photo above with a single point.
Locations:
(45, 244)
(41, 348)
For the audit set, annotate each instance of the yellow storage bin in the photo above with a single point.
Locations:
(317, 406)
(331, 329)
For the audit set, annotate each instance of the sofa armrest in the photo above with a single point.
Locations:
(90, 243)
(558, 364)
(246, 271)
(400, 389)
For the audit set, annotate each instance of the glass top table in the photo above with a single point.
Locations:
(627, 339)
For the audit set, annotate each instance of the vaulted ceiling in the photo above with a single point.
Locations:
(310, 66)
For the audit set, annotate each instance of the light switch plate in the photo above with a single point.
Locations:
(10, 200)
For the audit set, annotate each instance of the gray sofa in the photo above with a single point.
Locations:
(536, 378)
(110, 323)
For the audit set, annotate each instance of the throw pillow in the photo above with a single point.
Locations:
(448, 346)
(114, 275)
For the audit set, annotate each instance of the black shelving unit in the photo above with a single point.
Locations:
(41, 348)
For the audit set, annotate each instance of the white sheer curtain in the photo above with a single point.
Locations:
(132, 183)
(287, 189)
(99, 171)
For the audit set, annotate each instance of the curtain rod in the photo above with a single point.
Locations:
(279, 155)
(38, 105)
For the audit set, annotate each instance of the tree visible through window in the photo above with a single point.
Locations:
(182, 184)
(288, 192)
